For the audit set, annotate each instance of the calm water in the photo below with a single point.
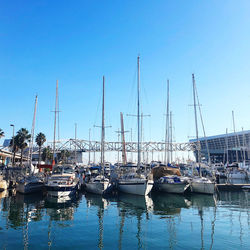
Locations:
(127, 222)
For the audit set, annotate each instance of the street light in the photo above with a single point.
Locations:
(13, 143)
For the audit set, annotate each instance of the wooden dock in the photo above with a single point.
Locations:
(232, 187)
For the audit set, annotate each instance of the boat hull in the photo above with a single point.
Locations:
(238, 176)
(175, 188)
(142, 187)
(3, 185)
(27, 188)
(97, 187)
(61, 191)
(202, 187)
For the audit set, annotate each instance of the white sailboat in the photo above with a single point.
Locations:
(137, 182)
(200, 184)
(171, 182)
(99, 184)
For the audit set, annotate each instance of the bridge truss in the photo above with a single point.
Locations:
(95, 146)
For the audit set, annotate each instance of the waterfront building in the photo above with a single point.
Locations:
(231, 147)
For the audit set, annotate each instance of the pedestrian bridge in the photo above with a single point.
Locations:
(95, 146)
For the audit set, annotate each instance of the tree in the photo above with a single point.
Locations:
(14, 148)
(64, 155)
(23, 137)
(47, 154)
(40, 140)
(1, 133)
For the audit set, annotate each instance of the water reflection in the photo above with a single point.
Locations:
(165, 216)
(101, 204)
(167, 205)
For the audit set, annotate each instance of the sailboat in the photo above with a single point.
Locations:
(169, 178)
(34, 182)
(200, 184)
(138, 181)
(99, 184)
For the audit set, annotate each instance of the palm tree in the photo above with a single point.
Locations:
(23, 137)
(64, 155)
(47, 154)
(40, 140)
(1, 133)
(14, 148)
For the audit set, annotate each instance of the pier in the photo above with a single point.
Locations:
(232, 187)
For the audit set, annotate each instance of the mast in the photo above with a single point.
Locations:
(54, 141)
(171, 138)
(196, 126)
(142, 151)
(124, 156)
(131, 138)
(166, 153)
(243, 142)
(227, 146)
(236, 144)
(138, 112)
(32, 132)
(89, 145)
(75, 142)
(103, 127)
(118, 139)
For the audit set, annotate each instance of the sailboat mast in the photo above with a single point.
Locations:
(171, 138)
(103, 127)
(32, 131)
(227, 146)
(54, 141)
(89, 145)
(196, 124)
(166, 154)
(138, 112)
(124, 156)
(236, 144)
(75, 142)
(243, 142)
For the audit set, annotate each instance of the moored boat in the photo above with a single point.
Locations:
(63, 182)
(30, 184)
(202, 185)
(172, 184)
(134, 183)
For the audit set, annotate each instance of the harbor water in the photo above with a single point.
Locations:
(160, 221)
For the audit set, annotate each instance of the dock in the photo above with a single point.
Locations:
(233, 187)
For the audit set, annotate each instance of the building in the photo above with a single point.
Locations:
(231, 147)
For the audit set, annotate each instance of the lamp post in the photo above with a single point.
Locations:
(13, 143)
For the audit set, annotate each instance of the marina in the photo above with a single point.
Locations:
(125, 125)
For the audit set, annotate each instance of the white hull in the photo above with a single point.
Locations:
(138, 187)
(176, 188)
(203, 187)
(97, 187)
(59, 193)
(239, 176)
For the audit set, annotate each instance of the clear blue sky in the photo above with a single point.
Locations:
(77, 42)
